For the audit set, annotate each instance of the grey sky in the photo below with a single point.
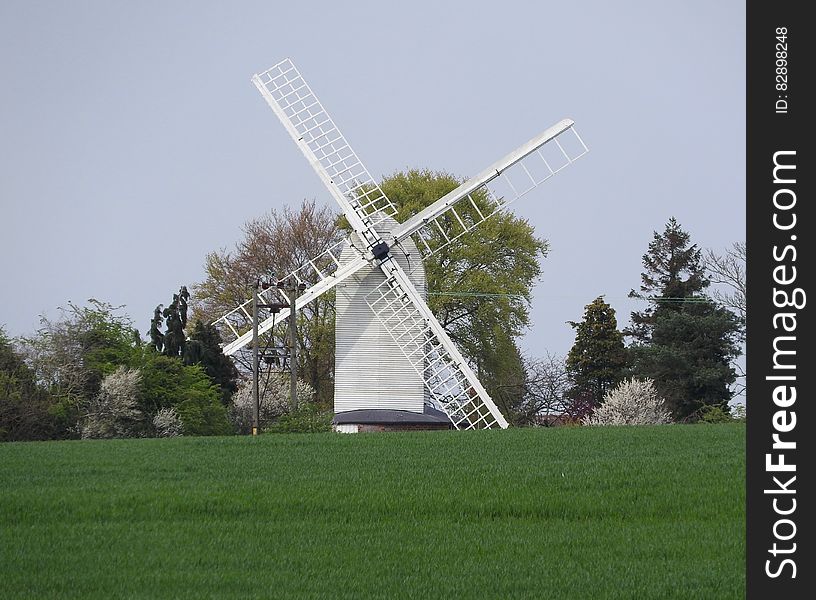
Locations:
(132, 141)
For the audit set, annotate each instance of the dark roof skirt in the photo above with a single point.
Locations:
(385, 417)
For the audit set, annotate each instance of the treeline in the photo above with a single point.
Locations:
(683, 346)
(88, 373)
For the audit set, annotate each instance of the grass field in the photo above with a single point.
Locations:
(652, 512)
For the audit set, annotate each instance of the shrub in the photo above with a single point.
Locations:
(114, 412)
(714, 415)
(632, 402)
(167, 423)
(274, 401)
(308, 418)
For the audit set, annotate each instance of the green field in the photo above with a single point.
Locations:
(646, 512)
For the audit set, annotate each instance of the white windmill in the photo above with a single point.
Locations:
(393, 356)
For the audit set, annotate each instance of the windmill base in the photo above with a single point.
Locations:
(362, 421)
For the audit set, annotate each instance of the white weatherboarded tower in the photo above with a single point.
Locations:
(360, 339)
(393, 357)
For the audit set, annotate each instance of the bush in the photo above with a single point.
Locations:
(308, 418)
(714, 415)
(114, 411)
(274, 401)
(632, 402)
(167, 423)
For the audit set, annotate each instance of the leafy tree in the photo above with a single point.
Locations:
(24, 405)
(684, 341)
(166, 382)
(480, 286)
(597, 360)
(70, 356)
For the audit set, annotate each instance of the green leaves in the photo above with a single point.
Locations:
(597, 360)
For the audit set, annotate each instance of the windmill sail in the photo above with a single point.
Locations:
(494, 189)
(327, 151)
(324, 272)
(451, 382)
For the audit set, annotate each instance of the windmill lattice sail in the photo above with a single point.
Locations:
(494, 189)
(451, 383)
(315, 132)
(323, 272)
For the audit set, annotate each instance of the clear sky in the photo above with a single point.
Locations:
(132, 141)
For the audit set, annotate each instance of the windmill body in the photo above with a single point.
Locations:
(371, 372)
(389, 343)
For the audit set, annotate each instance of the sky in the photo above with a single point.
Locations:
(132, 142)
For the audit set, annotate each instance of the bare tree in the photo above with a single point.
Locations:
(273, 246)
(728, 270)
(545, 388)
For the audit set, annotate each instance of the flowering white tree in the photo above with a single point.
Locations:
(114, 412)
(167, 423)
(274, 401)
(632, 402)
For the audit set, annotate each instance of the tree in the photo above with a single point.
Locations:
(204, 348)
(166, 382)
(274, 245)
(24, 405)
(114, 412)
(546, 391)
(171, 342)
(274, 401)
(479, 288)
(71, 355)
(167, 423)
(683, 341)
(673, 274)
(597, 360)
(632, 402)
(728, 270)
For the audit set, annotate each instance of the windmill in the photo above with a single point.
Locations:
(369, 268)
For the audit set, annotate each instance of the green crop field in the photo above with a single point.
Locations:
(645, 512)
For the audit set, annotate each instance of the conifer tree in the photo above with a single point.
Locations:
(684, 341)
(597, 360)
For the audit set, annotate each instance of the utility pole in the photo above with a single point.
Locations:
(256, 400)
(293, 347)
(292, 288)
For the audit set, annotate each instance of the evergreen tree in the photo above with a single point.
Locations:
(674, 272)
(204, 348)
(684, 341)
(597, 360)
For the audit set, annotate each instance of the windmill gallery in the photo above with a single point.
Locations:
(395, 366)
